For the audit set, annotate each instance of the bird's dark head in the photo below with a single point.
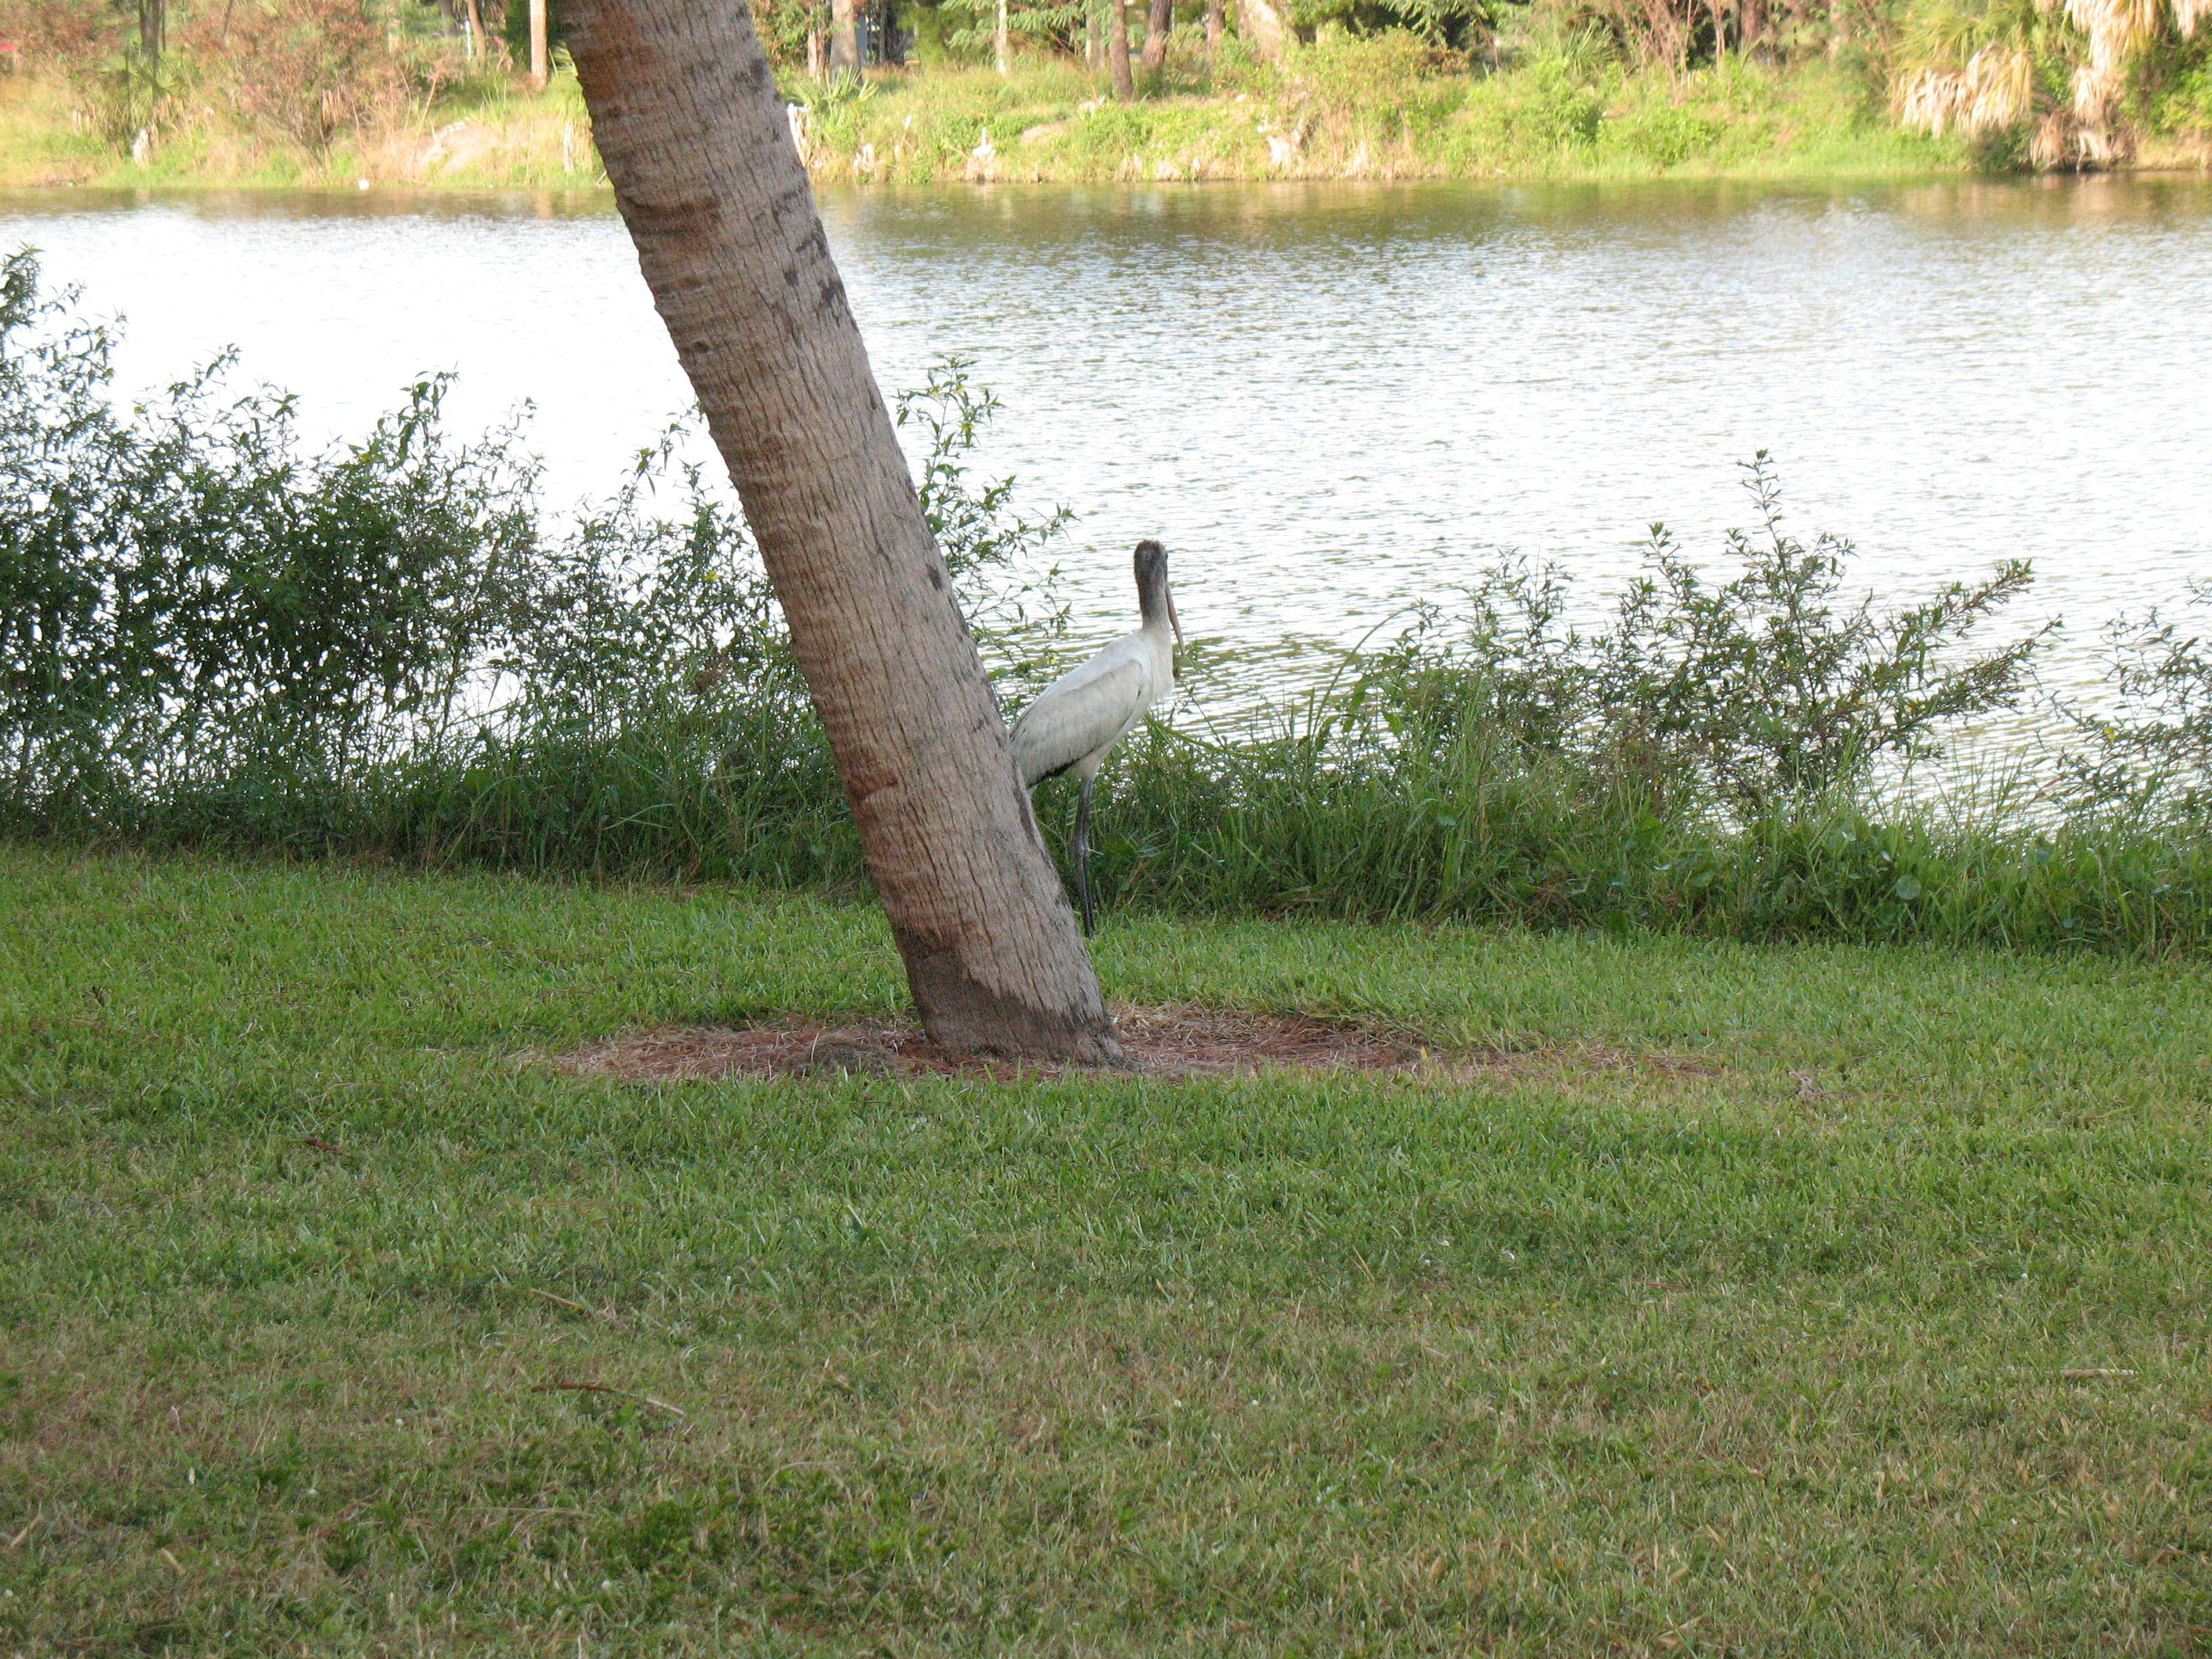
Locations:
(1153, 596)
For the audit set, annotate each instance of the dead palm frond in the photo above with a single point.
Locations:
(1994, 90)
(2061, 143)
(1989, 66)
(2117, 32)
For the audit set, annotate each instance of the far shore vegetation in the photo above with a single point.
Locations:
(345, 92)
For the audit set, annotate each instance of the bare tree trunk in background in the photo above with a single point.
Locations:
(1265, 25)
(694, 138)
(479, 44)
(153, 31)
(1117, 48)
(844, 36)
(1002, 43)
(1157, 21)
(541, 61)
(1214, 8)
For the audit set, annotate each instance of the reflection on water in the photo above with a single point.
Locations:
(1334, 399)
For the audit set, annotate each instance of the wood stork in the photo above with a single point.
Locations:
(1089, 709)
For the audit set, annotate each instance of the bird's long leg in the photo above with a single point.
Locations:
(1083, 854)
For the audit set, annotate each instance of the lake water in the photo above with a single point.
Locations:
(1333, 400)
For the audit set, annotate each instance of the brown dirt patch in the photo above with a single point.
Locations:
(1165, 1043)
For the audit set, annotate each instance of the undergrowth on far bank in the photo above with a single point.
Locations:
(211, 637)
(1350, 109)
(1344, 109)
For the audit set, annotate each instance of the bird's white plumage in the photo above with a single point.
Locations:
(1089, 709)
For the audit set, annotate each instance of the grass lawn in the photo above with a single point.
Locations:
(1879, 1329)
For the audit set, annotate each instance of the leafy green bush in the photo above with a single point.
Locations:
(210, 636)
(1708, 758)
(2150, 756)
(1761, 692)
(1533, 116)
(2185, 107)
(1665, 135)
(206, 633)
(181, 588)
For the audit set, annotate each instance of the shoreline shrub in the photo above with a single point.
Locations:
(213, 637)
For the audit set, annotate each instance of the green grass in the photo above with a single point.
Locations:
(479, 135)
(1347, 108)
(1785, 1351)
(1369, 109)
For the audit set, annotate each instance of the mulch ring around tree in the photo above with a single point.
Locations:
(1181, 1041)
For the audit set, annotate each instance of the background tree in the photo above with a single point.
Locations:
(1157, 21)
(844, 36)
(695, 140)
(153, 31)
(1117, 48)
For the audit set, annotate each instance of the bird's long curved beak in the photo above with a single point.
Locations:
(1174, 621)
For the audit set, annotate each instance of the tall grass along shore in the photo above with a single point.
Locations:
(212, 638)
(340, 93)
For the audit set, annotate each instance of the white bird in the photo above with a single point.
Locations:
(1089, 709)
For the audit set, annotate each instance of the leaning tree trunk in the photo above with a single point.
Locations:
(1117, 48)
(695, 140)
(844, 36)
(1157, 21)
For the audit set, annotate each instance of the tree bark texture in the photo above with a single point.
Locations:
(1117, 48)
(153, 30)
(696, 142)
(1157, 21)
(1214, 10)
(844, 35)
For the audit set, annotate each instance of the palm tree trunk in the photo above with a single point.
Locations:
(844, 36)
(1157, 21)
(1117, 48)
(694, 138)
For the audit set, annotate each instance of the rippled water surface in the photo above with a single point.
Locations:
(1332, 400)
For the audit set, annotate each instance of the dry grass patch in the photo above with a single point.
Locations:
(1170, 1043)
